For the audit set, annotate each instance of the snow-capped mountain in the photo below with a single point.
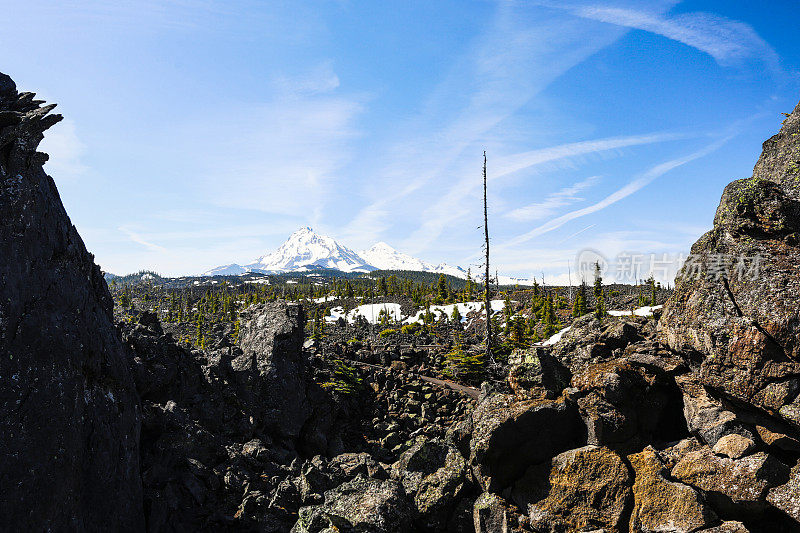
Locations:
(307, 250)
(384, 257)
(304, 249)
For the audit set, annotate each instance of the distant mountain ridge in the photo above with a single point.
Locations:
(306, 250)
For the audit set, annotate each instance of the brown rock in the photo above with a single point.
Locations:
(727, 527)
(626, 404)
(734, 446)
(508, 436)
(743, 482)
(734, 302)
(582, 489)
(778, 439)
(705, 416)
(663, 505)
(787, 496)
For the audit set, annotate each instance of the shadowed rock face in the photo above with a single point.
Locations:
(69, 430)
(271, 368)
(742, 319)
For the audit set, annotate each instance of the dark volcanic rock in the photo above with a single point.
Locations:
(626, 404)
(741, 317)
(578, 490)
(69, 432)
(363, 504)
(508, 436)
(214, 452)
(591, 341)
(271, 368)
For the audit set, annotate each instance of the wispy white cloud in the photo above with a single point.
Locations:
(281, 156)
(587, 228)
(446, 211)
(728, 41)
(319, 79)
(630, 188)
(552, 202)
(519, 55)
(573, 152)
(138, 239)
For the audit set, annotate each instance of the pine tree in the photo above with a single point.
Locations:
(382, 287)
(442, 293)
(549, 318)
(507, 311)
(348, 289)
(600, 309)
(598, 281)
(652, 282)
(455, 316)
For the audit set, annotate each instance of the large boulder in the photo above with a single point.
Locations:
(584, 489)
(69, 432)
(508, 436)
(270, 368)
(733, 485)
(627, 403)
(734, 310)
(706, 416)
(434, 475)
(361, 505)
(589, 340)
(786, 497)
(661, 504)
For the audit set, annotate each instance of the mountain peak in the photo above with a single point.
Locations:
(381, 246)
(306, 250)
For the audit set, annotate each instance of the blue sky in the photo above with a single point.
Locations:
(203, 133)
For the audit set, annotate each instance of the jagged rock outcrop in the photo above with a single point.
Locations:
(69, 430)
(627, 403)
(735, 310)
(661, 504)
(584, 489)
(223, 429)
(591, 341)
(363, 504)
(271, 368)
(434, 475)
(508, 436)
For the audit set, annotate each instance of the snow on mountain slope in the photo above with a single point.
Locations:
(384, 257)
(226, 270)
(306, 250)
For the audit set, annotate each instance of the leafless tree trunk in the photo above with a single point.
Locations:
(486, 296)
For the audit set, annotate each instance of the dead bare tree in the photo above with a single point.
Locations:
(486, 296)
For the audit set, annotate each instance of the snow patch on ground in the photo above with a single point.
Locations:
(371, 312)
(557, 337)
(263, 281)
(463, 309)
(641, 311)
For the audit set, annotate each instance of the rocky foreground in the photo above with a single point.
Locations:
(687, 422)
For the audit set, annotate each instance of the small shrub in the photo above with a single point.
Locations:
(387, 332)
(465, 366)
(410, 329)
(345, 379)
